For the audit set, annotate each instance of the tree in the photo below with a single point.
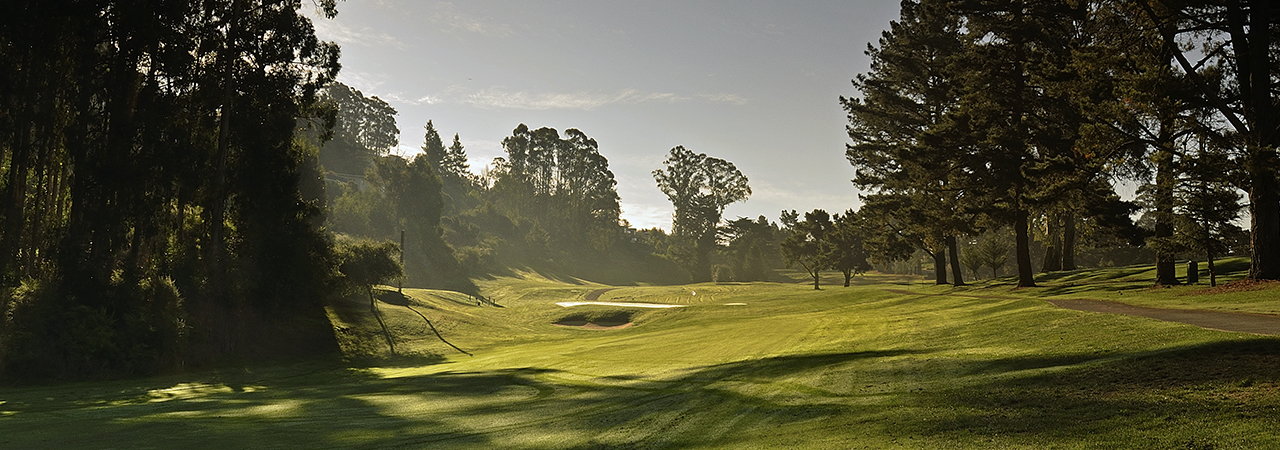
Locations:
(699, 187)
(808, 244)
(972, 260)
(993, 249)
(1015, 123)
(150, 142)
(1244, 97)
(557, 192)
(365, 263)
(848, 254)
(901, 147)
(752, 247)
(450, 164)
(903, 223)
(364, 128)
(1207, 205)
(1146, 109)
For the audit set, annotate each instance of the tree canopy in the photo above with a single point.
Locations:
(699, 187)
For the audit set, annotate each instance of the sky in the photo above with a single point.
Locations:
(756, 83)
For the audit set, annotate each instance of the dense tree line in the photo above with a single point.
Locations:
(550, 203)
(157, 208)
(983, 114)
(376, 195)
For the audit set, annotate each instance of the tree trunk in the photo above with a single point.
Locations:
(1264, 221)
(1166, 271)
(1213, 274)
(15, 198)
(1053, 251)
(1069, 241)
(816, 274)
(217, 247)
(1264, 201)
(956, 271)
(1026, 275)
(848, 276)
(939, 265)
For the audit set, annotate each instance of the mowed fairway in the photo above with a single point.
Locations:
(887, 363)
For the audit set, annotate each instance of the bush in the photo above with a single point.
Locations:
(127, 329)
(721, 273)
(364, 263)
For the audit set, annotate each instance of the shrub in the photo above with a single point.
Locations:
(721, 273)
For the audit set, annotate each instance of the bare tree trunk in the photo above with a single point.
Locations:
(1213, 274)
(217, 217)
(1026, 276)
(1264, 201)
(939, 265)
(15, 201)
(1053, 250)
(1069, 241)
(1166, 272)
(1264, 227)
(956, 271)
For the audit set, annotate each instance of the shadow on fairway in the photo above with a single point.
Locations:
(1038, 400)
(1180, 389)
(354, 408)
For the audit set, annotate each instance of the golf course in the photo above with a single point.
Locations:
(890, 362)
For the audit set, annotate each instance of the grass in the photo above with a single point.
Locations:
(890, 362)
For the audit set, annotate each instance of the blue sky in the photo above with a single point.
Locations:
(752, 82)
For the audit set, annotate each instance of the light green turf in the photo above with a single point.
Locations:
(888, 363)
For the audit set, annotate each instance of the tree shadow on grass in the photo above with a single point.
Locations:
(513, 408)
(1188, 397)
(1163, 399)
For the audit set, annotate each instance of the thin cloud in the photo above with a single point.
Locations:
(330, 30)
(363, 81)
(449, 18)
(502, 99)
(732, 99)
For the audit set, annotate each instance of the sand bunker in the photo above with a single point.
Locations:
(735, 304)
(624, 305)
(609, 320)
(594, 326)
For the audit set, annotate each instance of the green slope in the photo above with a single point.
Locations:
(888, 363)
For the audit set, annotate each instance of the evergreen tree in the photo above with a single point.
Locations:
(752, 247)
(809, 245)
(848, 255)
(1207, 206)
(1244, 97)
(901, 145)
(906, 221)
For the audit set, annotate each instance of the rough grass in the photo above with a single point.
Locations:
(888, 363)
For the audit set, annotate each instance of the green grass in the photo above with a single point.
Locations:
(891, 362)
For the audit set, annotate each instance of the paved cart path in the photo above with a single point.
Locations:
(1216, 320)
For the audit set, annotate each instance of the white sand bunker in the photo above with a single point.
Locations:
(735, 304)
(624, 305)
